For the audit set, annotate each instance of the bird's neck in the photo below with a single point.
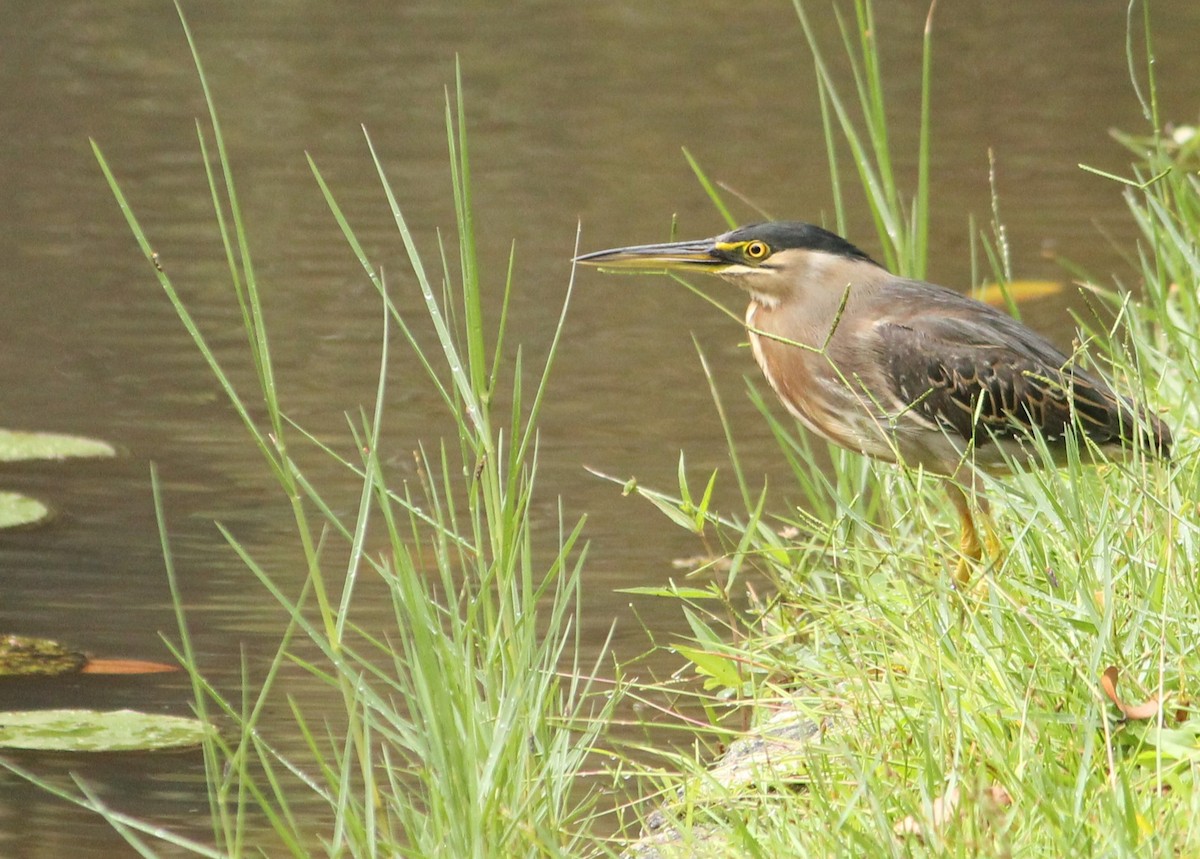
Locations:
(771, 324)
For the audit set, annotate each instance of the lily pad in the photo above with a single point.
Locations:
(17, 446)
(17, 511)
(23, 656)
(98, 731)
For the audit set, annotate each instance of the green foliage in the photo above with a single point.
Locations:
(902, 225)
(972, 721)
(464, 726)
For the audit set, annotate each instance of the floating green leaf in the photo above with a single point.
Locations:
(18, 510)
(98, 731)
(23, 656)
(17, 446)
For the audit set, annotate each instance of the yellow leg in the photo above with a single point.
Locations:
(971, 550)
(991, 539)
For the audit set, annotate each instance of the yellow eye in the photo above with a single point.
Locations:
(756, 250)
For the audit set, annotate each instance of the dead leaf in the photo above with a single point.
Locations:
(1136, 712)
(1183, 705)
(126, 666)
(1020, 290)
(705, 563)
(941, 813)
(998, 796)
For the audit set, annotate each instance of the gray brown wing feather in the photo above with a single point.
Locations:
(980, 374)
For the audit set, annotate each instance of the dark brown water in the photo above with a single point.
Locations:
(577, 113)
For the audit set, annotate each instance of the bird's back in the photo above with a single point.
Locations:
(973, 371)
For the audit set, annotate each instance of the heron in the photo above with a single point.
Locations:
(903, 370)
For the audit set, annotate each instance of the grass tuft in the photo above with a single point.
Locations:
(463, 728)
(984, 720)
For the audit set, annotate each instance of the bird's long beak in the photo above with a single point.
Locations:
(702, 255)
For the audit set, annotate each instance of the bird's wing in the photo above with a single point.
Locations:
(982, 375)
